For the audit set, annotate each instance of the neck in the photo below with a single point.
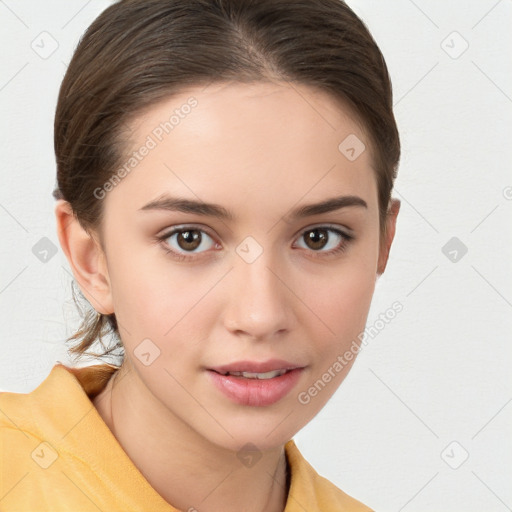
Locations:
(186, 469)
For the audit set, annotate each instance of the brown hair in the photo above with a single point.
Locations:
(139, 52)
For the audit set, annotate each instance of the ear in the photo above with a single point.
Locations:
(86, 258)
(388, 236)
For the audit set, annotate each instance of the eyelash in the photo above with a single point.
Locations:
(346, 239)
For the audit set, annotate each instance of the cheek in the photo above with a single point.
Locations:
(342, 295)
(344, 303)
(158, 300)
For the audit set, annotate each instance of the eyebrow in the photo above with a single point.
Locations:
(183, 205)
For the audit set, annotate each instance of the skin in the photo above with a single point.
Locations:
(258, 150)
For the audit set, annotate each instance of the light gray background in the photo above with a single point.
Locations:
(434, 385)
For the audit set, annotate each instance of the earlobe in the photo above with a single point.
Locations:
(385, 246)
(86, 259)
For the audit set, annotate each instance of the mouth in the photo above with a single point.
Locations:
(257, 370)
(254, 375)
(256, 384)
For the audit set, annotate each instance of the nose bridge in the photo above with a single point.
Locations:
(257, 303)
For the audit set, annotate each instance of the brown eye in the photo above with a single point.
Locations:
(189, 240)
(324, 240)
(316, 238)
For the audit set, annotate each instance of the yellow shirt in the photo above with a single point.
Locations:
(57, 454)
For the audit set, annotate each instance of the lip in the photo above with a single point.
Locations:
(256, 392)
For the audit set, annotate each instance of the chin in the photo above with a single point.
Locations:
(259, 428)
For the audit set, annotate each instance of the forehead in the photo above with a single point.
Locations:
(240, 143)
(221, 108)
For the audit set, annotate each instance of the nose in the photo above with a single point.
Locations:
(258, 305)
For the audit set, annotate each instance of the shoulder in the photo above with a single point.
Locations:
(52, 422)
(313, 492)
(64, 393)
(21, 413)
(22, 427)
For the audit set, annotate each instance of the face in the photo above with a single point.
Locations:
(218, 264)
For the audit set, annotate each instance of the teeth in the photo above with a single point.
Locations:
(250, 375)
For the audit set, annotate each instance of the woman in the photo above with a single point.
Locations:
(224, 174)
